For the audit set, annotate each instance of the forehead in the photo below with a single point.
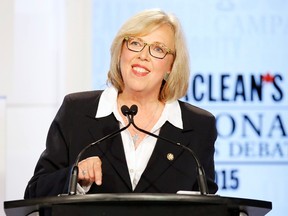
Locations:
(163, 34)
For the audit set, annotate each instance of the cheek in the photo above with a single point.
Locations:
(126, 55)
(165, 66)
(123, 65)
(125, 59)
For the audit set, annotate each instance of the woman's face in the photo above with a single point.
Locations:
(143, 73)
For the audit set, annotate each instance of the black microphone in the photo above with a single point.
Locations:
(201, 177)
(75, 170)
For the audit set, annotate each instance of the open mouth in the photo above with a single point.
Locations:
(140, 70)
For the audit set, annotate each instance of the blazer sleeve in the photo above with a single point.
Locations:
(51, 174)
(209, 148)
(203, 125)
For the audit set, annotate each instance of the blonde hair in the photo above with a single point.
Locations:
(143, 23)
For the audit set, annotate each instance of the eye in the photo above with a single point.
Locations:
(135, 42)
(158, 48)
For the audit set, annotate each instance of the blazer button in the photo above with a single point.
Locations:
(170, 156)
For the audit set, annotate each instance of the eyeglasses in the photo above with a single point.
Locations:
(157, 50)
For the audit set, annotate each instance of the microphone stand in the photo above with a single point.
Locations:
(201, 177)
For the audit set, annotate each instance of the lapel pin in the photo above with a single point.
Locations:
(170, 156)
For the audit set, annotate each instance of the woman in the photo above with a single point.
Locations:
(149, 68)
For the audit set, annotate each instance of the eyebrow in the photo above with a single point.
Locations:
(158, 42)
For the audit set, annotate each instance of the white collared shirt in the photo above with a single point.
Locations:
(138, 158)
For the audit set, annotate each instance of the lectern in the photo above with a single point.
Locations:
(133, 204)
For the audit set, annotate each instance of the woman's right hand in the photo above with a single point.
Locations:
(90, 170)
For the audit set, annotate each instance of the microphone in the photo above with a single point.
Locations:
(201, 177)
(75, 170)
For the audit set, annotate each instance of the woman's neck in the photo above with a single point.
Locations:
(143, 101)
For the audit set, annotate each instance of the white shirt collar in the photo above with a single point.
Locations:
(108, 103)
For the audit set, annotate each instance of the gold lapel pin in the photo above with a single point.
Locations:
(170, 156)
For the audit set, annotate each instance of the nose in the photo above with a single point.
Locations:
(144, 54)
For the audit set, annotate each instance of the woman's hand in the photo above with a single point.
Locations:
(90, 171)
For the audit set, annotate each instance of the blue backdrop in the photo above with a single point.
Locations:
(238, 51)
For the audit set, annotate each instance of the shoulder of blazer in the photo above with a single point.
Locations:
(84, 96)
(189, 109)
(193, 115)
(85, 102)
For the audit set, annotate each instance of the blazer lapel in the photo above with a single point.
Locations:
(163, 156)
(112, 148)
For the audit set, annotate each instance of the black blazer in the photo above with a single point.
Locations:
(75, 126)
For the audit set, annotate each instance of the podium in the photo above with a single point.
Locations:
(133, 204)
